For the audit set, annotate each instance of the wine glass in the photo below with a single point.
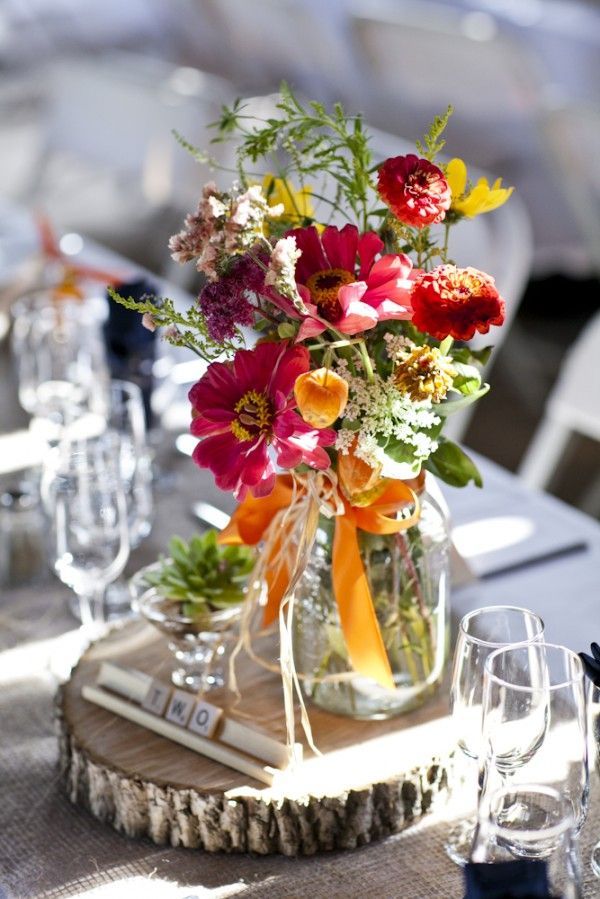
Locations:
(532, 821)
(126, 420)
(125, 417)
(61, 370)
(535, 723)
(595, 728)
(480, 633)
(84, 493)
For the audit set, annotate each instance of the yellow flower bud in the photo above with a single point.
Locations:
(321, 396)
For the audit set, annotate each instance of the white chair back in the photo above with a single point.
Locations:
(573, 406)
(421, 56)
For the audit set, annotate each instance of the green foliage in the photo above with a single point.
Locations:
(450, 463)
(467, 380)
(448, 407)
(471, 357)
(433, 143)
(187, 328)
(307, 140)
(199, 155)
(203, 575)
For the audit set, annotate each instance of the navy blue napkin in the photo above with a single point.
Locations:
(591, 664)
(520, 879)
(130, 347)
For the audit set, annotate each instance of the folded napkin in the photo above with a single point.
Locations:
(521, 879)
(130, 347)
(591, 664)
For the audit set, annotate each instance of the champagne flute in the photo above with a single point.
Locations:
(535, 723)
(480, 633)
(89, 532)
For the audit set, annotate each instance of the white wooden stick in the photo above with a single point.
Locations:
(127, 682)
(134, 685)
(212, 749)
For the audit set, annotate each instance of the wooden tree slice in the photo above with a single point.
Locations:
(374, 778)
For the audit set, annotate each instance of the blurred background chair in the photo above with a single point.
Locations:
(573, 407)
(266, 41)
(418, 61)
(572, 142)
(109, 165)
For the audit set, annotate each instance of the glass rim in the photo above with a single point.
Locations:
(491, 643)
(45, 296)
(145, 604)
(533, 834)
(129, 387)
(578, 678)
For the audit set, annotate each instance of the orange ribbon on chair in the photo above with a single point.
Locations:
(74, 270)
(350, 584)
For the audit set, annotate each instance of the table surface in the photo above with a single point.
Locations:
(50, 848)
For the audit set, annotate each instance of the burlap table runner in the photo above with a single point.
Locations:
(51, 849)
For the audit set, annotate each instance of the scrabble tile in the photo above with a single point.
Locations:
(157, 698)
(205, 718)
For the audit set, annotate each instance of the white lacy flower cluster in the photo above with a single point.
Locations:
(223, 225)
(384, 414)
(396, 345)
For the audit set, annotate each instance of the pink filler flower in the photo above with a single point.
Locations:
(243, 414)
(351, 293)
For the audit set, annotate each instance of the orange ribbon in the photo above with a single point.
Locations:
(51, 249)
(350, 584)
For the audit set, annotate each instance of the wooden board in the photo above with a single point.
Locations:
(373, 779)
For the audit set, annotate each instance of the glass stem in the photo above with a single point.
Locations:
(85, 611)
(97, 604)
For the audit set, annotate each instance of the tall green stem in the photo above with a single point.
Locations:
(366, 361)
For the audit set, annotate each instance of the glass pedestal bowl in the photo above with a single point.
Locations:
(200, 644)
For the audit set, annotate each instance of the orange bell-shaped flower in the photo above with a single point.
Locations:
(360, 483)
(321, 396)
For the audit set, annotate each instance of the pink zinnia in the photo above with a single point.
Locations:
(415, 189)
(341, 281)
(243, 415)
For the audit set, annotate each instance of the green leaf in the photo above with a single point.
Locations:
(468, 356)
(468, 379)
(449, 407)
(452, 465)
(286, 330)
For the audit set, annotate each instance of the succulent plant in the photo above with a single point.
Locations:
(202, 575)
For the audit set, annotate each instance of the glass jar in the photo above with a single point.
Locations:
(408, 576)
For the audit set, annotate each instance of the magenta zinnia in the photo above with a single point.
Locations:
(243, 413)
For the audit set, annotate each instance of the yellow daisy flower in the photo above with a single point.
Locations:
(481, 198)
(297, 204)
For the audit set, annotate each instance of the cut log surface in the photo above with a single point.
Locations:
(373, 779)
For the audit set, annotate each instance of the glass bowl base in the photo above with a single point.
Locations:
(197, 682)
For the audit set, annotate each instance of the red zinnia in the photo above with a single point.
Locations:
(415, 189)
(456, 301)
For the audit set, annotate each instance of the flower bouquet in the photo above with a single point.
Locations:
(335, 329)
